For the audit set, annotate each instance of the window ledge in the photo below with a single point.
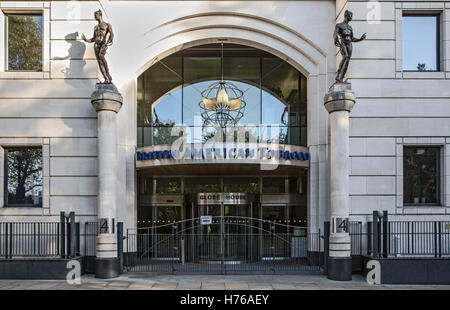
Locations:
(19, 211)
(423, 209)
(22, 75)
(22, 206)
(423, 75)
(422, 206)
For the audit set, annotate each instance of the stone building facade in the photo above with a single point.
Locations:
(395, 108)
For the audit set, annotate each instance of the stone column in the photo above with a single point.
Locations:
(339, 101)
(107, 101)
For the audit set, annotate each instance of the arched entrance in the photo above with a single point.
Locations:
(273, 225)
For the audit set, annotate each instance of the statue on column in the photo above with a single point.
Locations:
(103, 37)
(343, 38)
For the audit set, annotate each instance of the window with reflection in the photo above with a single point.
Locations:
(421, 42)
(24, 42)
(23, 177)
(170, 91)
(421, 175)
(273, 186)
(168, 186)
(276, 215)
(201, 185)
(241, 185)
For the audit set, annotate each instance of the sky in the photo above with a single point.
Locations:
(419, 42)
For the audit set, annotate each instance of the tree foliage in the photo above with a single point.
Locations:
(25, 42)
(421, 67)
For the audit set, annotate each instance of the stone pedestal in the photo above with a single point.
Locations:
(107, 101)
(339, 101)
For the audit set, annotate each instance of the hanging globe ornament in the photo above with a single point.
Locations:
(222, 104)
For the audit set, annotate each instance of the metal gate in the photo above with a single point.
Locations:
(223, 245)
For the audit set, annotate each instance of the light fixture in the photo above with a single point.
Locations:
(222, 102)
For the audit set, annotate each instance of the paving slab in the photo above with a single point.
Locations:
(121, 284)
(279, 286)
(307, 286)
(236, 286)
(164, 286)
(260, 288)
(135, 287)
(189, 286)
(213, 286)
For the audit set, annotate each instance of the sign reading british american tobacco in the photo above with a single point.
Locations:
(230, 153)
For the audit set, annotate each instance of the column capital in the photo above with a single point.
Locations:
(340, 98)
(106, 97)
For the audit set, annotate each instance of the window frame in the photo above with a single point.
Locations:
(8, 13)
(439, 18)
(6, 170)
(439, 171)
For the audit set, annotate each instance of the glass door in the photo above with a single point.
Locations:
(209, 247)
(165, 217)
(237, 228)
(166, 226)
(273, 244)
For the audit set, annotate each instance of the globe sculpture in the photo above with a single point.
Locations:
(222, 104)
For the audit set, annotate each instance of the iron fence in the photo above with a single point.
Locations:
(417, 238)
(216, 253)
(89, 235)
(235, 247)
(36, 239)
(356, 237)
(408, 239)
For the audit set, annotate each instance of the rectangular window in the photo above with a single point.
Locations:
(24, 42)
(23, 177)
(421, 175)
(273, 186)
(421, 42)
(241, 185)
(168, 186)
(201, 185)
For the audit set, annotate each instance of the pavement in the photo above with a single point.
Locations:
(136, 281)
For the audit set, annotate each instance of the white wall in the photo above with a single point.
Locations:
(392, 106)
(55, 105)
(393, 109)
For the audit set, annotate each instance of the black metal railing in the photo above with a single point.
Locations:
(89, 235)
(409, 239)
(245, 245)
(417, 238)
(357, 236)
(216, 253)
(30, 239)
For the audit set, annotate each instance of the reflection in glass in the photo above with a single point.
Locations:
(169, 93)
(191, 97)
(24, 35)
(421, 175)
(298, 216)
(201, 185)
(273, 186)
(277, 215)
(420, 43)
(23, 176)
(166, 215)
(168, 186)
(241, 185)
(163, 135)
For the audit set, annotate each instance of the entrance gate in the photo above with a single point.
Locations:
(223, 245)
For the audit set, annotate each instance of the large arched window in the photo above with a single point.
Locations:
(169, 92)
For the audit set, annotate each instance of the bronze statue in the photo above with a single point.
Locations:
(103, 37)
(343, 38)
